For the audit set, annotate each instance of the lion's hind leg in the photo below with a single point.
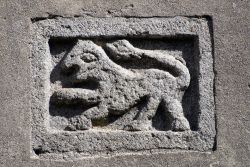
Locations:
(179, 122)
(143, 119)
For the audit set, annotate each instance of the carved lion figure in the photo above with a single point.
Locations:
(126, 76)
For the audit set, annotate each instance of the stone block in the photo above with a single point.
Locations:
(124, 83)
(108, 86)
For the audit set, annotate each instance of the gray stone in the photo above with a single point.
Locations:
(96, 94)
(217, 58)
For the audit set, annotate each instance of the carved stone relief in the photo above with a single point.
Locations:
(115, 85)
(132, 96)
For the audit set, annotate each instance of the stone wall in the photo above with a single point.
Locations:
(124, 83)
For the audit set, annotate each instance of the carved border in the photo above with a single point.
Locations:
(198, 28)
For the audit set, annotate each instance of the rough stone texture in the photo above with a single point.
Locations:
(117, 97)
(231, 65)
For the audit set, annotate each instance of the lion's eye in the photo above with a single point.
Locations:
(87, 57)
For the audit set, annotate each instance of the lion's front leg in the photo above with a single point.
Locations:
(75, 97)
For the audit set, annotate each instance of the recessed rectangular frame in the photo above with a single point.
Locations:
(71, 145)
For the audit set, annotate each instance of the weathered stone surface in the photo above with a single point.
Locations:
(116, 85)
(120, 90)
(224, 54)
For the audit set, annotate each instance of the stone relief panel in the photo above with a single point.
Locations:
(108, 86)
(115, 97)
